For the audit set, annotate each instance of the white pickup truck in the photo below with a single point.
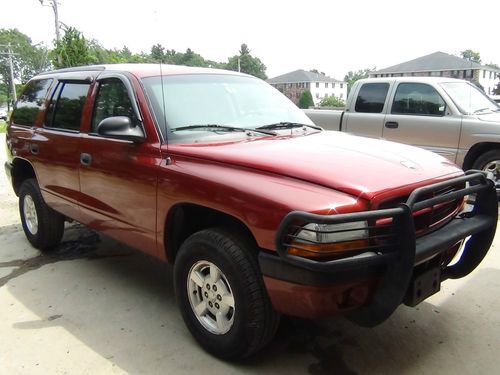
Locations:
(448, 116)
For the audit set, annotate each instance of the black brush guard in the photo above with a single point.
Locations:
(394, 247)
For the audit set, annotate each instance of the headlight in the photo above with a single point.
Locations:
(329, 240)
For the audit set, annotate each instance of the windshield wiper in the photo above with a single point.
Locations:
(287, 125)
(216, 127)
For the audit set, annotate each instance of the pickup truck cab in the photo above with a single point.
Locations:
(260, 212)
(448, 116)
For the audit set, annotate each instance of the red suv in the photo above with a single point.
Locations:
(260, 212)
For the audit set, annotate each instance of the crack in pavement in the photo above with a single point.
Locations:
(83, 247)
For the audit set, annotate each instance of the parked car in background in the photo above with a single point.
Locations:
(260, 212)
(448, 116)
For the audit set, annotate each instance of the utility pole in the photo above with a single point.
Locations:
(53, 5)
(9, 54)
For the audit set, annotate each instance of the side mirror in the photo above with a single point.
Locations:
(120, 127)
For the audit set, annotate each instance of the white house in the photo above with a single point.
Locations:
(441, 64)
(293, 84)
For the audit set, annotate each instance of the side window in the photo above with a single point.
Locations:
(112, 100)
(31, 102)
(371, 97)
(66, 106)
(418, 99)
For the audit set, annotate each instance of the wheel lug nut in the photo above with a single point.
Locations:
(214, 288)
(208, 286)
(219, 297)
(210, 304)
(216, 305)
(206, 294)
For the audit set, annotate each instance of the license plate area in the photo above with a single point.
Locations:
(423, 285)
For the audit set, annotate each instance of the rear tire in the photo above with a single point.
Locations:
(43, 226)
(215, 257)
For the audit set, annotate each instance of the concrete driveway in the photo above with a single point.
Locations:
(98, 307)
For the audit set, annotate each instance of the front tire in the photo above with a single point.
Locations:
(42, 226)
(221, 294)
(490, 162)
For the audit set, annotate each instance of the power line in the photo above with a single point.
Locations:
(9, 53)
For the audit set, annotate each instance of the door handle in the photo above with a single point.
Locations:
(85, 159)
(391, 124)
(34, 148)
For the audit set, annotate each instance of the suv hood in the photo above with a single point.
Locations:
(355, 165)
(491, 117)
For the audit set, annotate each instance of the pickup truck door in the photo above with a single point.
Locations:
(118, 178)
(418, 115)
(366, 113)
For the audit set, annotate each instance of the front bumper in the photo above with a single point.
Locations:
(390, 264)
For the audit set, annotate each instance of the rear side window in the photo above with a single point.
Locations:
(371, 97)
(418, 99)
(31, 102)
(65, 109)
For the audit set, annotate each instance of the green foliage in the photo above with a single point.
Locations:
(352, 77)
(471, 55)
(306, 100)
(332, 101)
(494, 66)
(27, 61)
(3, 126)
(248, 64)
(72, 50)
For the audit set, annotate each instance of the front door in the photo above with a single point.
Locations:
(118, 178)
(419, 116)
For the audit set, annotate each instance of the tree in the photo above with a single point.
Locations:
(471, 55)
(27, 59)
(247, 63)
(306, 100)
(332, 101)
(158, 53)
(352, 77)
(72, 50)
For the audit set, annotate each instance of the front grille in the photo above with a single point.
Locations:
(431, 218)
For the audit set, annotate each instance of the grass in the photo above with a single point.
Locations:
(3, 126)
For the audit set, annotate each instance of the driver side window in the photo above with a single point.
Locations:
(112, 100)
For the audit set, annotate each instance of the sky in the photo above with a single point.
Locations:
(331, 36)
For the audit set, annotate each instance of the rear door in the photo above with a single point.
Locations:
(56, 146)
(419, 116)
(366, 114)
(118, 178)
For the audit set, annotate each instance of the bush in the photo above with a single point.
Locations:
(332, 101)
(306, 100)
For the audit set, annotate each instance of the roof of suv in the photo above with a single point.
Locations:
(142, 70)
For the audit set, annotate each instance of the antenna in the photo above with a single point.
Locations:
(163, 101)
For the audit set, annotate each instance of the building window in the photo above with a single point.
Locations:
(341, 85)
(307, 85)
(490, 74)
(317, 85)
(341, 95)
(317, 95)
(484, 73)
(326, 85)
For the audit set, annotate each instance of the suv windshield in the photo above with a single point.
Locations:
(469, 99)
(231, 101)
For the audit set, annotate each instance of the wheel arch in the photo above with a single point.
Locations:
(22, 169)
(476, 151)
(184, 219)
